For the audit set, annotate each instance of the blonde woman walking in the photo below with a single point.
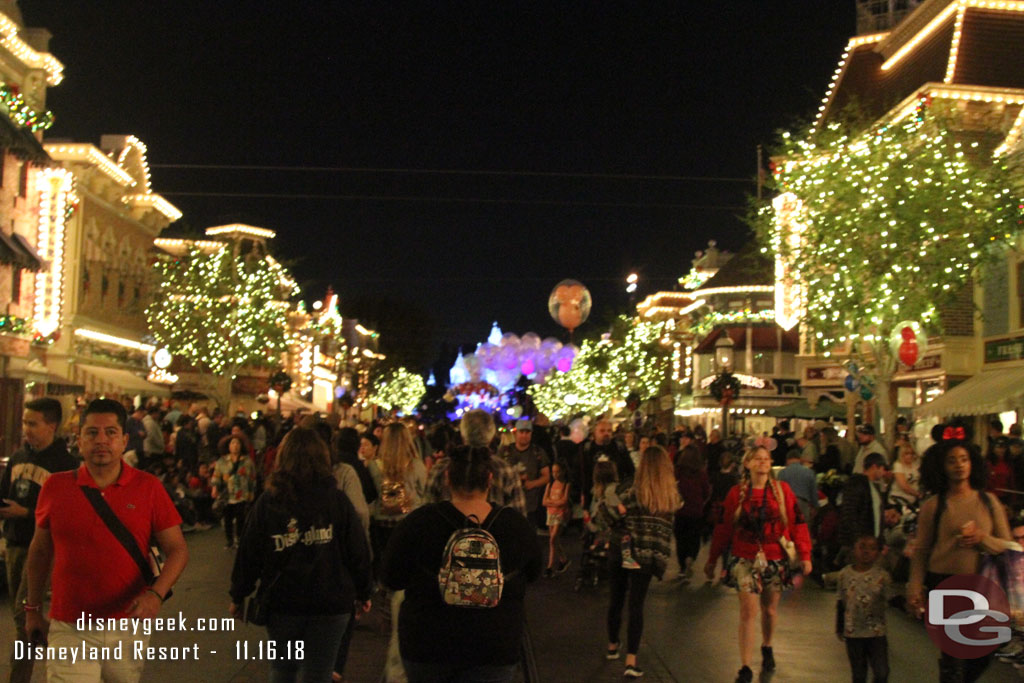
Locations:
(650, 505)
(759, 515)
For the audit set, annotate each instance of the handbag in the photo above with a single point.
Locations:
(256, 607)
(789, 548)
(151, 566)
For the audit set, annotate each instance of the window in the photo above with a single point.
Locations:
(1020, 293)
(764, 363)
(15, 284)
(23, 180)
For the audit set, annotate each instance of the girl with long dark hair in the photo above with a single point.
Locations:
(305, 544)
(473, 643)
(954, 527)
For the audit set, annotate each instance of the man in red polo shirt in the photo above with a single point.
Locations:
(93, 574)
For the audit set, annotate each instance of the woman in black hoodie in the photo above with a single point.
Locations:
(304, 543)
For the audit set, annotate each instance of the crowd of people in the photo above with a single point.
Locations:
(384, 511)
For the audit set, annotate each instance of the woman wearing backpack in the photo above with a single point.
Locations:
(650, 506)
(475, 643)
(953, 529)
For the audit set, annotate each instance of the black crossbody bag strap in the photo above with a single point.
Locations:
(121, 533)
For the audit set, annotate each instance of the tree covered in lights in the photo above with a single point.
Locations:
(398, 389)
(632, 359)
(883, 226)
(221, 311)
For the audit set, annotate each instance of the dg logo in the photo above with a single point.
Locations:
(968, 616)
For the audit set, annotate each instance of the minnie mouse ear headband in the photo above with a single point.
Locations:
(954, 431)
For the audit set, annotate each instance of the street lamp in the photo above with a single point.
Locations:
(723, 352)
(723, 359)
(631, 281)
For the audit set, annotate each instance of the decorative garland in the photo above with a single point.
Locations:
(281, 382)
(715, 318)
(725, 389)
(467, 388)
(21, 113)
(694, 279)
(10, 324)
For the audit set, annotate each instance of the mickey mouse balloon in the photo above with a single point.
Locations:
(569, 304)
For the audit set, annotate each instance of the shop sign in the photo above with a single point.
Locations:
(932, 362)
(827, 373)
(1004, 349)
(248, 384)
(749, 381)
(14, 346)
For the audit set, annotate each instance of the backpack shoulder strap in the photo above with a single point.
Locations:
(940, 507)
(494, 517)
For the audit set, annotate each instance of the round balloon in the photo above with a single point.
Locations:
(908, 352)
(530, 340)
(909, 331)
(569, 304)
(851, 383)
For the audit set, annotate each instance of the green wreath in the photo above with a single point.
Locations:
(725, 388)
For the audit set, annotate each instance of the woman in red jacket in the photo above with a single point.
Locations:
(751, 528)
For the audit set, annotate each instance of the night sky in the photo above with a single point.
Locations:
(443, 168)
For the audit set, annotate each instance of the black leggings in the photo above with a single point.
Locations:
(234, 513)
(638, 582)
(951, 668)
(868, 652)
(687, 532)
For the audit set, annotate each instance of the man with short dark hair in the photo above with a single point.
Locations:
(862, 509)
(868, 444)
(153, 445)
(27, 471)
(803, 482)
(93, 573)
(602, 443)
(531, 464)
(136, 431)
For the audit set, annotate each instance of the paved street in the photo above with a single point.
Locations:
(689, 634)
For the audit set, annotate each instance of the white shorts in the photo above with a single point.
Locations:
(104, 667)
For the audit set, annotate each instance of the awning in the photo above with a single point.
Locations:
(19, 141)
(992, 391)
(293, 403)
(32, 261)
(100, 379)
(801, 409)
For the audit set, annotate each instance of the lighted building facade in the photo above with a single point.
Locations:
(967, 55)
(101, 214)
(27, 70)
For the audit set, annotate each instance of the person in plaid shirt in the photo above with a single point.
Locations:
(477, 428)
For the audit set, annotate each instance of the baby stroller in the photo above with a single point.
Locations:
(593, 561)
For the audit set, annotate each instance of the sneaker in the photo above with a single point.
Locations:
(548, 573)
(627, 559)
(745, 675)
(633, 671)
(767, 659)
(612, 652)
(562, 566)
